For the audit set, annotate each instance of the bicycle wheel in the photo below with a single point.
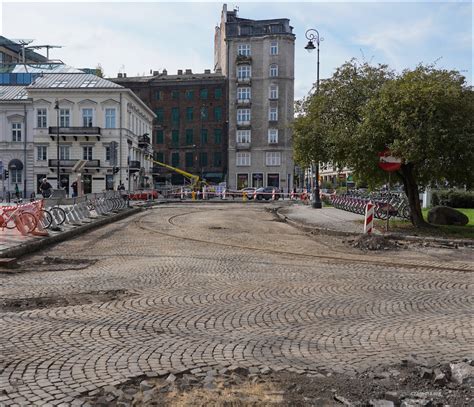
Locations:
(59, 214)
(27, 222)
(44, 218)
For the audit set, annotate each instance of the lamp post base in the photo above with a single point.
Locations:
(317, 205)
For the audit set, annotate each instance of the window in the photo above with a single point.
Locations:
(64, 152)
(203, 159)
(217, 159)
(243, 136)
(273, 158)
(158, 95)
(64, 117)
(59, 84)
(107, 153)
(41, 153)
(159, 114)
(175, 159)
(15, 176)
(189, 114)
(160, 157)
(273, 70)
(189, 158)
(203, 136)
(273, 114)
(274, 48)
(89, 83)
(159, 138)
(175, 137)
(273, 92)
(243, 49)
(175, 114)
(276, 28)
(217, 93)
(204, 113)
(244, 71)
(218, 114)
(110, 118)
(41, 118)
(246, 30)
(175, 94)
(16, 131)
(217, 136)
(243, 115)
(242, 181)
(203, 94)
(86, 117)
(243, 159)
(189, 136)
(273, 180)
(243, 93)
(87, 153)
(189, 94)
(272, 136)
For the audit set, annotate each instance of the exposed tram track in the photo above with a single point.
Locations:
(348, 258)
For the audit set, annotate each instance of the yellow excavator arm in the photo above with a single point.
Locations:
(195, 180)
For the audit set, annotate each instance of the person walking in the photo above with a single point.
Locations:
(74, 189)
(46, 188)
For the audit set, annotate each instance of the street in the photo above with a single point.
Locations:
(187, 286)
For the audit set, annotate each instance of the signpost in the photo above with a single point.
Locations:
(389, 163)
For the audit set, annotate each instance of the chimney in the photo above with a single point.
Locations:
(124, 75)
(189, 71)
(180, 71)
(208, 71)
(119, 75)
(156, 73)
(165, 72)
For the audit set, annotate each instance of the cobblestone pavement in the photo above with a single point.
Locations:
(239, 298)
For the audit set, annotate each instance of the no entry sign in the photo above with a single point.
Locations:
(388, 162)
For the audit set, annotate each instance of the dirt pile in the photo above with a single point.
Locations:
(374, 242)
(405, 385)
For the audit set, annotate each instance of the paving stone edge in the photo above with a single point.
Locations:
(30, 247)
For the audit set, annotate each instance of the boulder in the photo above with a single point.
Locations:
(444, 215)
(462, 373)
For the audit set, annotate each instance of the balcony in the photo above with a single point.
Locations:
(243, 146)
(243, 102)
(245, 81)
(243, 59)
(157, 170)
(243, 123)
(75, 132)
(72, 163)
(144, 141)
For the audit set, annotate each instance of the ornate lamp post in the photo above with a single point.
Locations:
(56, 107)
(313, 37)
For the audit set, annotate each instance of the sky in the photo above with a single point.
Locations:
(136, 37)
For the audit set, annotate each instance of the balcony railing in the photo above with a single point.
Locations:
(71, 163)
(241, 102)
(75, 131)
(143, 141)
(245, 80)
(134, 165)
(243, 59)
(243, 146)
(243, 123)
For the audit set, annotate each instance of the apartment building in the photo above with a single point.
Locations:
(257, 57)
(82, 120)
(190, 129)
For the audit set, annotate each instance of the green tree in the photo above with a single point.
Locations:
(423, 116)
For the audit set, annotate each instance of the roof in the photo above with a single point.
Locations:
(163, 78)
(13, 93)
(45, 68)
(72, 81)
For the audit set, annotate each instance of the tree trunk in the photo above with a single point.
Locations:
(411, 190)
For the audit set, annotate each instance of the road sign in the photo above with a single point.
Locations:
(388, 162)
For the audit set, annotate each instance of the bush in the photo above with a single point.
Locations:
(453, 199)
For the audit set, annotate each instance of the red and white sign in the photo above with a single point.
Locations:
(388, 162)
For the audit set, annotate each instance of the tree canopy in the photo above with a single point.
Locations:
(423, 116)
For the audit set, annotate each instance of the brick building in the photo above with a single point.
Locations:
(190, 129)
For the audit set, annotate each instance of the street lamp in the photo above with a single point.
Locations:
(312, 36)
(56, 107)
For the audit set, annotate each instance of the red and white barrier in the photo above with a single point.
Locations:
(369, 218)
(273, 195)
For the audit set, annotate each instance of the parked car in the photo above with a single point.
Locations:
(267, 193)
(249, 191)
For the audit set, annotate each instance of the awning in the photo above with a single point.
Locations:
(15, 165)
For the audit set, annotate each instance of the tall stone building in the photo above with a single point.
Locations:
(257, 57)
(190, 129)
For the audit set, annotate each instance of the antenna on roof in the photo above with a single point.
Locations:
(48, 47)
(22, 42)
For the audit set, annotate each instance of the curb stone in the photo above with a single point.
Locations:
(34, 246)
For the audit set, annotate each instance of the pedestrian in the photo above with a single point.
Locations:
(46, 188)
(17, 191)
(121, 187)
(74, 189)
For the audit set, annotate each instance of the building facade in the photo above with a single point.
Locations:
(92, 125)
(257, 57)
(190, 129)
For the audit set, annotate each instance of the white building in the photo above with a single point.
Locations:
(96, 120)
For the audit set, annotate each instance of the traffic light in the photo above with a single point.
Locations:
(6, 174)
(116, 169)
